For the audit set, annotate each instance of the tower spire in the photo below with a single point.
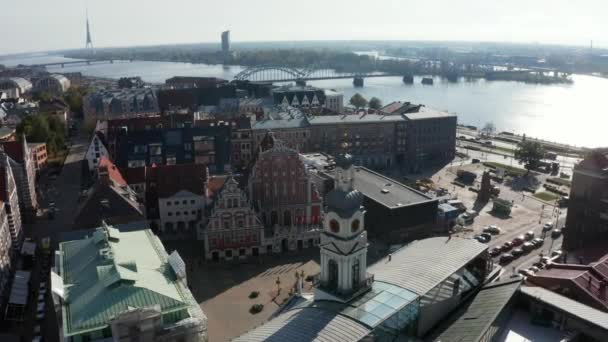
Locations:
(89, 43)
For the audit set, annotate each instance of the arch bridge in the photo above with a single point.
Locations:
(276, 73)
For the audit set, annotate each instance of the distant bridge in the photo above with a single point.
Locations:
(84, 62)
(276, 73)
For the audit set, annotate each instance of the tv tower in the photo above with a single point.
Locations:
(89, 43)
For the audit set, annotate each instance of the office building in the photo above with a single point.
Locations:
(24, 171)
(587, 220)
(118, 283)
(226, 42)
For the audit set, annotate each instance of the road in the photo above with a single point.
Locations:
(64, 191)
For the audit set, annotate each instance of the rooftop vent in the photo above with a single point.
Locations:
(385, 191)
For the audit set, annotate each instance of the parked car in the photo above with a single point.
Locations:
(529, 235)
(475, 161)
(538, 265)
(506, 246)
(534, 269)
(527, 247)
(487, 236)
(537, 242)
(517, 252)
(481, 239)
(555, 233)
(525, 273)
(492, 229)
(495, 251)
(518, 240)
(547, 226)
(556, 253)
(506, 258)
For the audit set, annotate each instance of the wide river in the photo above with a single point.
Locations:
(575, 114)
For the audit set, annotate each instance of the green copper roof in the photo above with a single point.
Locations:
(110, 272)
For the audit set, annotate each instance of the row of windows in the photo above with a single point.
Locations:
(184, 202)
(178, 213)
(334, 226)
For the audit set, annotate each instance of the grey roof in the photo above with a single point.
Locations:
(20, 82)
(423, 264)
(280, 118)
(428, 113)
(354, 119)
(572, 307)
(472, 321)
(308, 324)
(345, 204)
(385, 190)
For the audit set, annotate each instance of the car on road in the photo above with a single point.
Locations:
(547, 226)
(534, 269)
(518, 240)
(556, 253)
(481, 239)
(475, 161)
(506, 258)
(495, 251)
(537, 242)
(539, 265)
(555, 233)
(517, 252)
(492, 229)
(527, 247)
(487, 236)
(529, 235)
(507, 246)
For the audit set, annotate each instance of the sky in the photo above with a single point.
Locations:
(42, 25)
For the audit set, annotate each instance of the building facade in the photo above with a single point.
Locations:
(117, 103)
(39, 155)
(24, 171)
(96, 150)
(233, 228)
(285, 197)
(587, 220)
(6, 257)
(334, 101)
(9, 197)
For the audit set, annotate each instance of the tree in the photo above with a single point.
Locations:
(125, 82)
(73, 97)
(488, 129)
(358, 101)
(43, 128)
(375, 103)
(529, 153)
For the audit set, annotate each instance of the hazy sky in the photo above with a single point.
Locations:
(39, 25)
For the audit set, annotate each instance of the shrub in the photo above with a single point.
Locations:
(254, 294)
(256, 308)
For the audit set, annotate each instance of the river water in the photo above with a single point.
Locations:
(575, 113)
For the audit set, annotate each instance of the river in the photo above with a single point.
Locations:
(565, 113)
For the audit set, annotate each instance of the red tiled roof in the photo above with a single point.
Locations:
(114, 174)
(134, 175)
(215, 184)
(14, 149)
(391, 107)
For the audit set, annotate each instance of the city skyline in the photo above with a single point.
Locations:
(63, 24)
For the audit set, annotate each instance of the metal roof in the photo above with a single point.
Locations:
(354, 118)
(308, 324)
(428, 113)
(423, 264)
(572, 307)
(385, 190)
(472, 321)
(91, 267)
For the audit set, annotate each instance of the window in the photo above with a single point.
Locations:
(177, 213)
(169, 214)
(192, 201)
(176, 202)
(354, 226)
(168, 203)
(334, 226)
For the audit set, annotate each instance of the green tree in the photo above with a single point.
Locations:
(73, 98)
(44, 128)
(530, 154)
(375, 103)
(358, 101)
(488, 129)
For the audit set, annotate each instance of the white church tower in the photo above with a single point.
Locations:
(344, 239)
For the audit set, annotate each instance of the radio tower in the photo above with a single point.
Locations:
(89, 43)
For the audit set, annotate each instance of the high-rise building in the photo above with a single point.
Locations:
(587, 220)
(226, 42)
